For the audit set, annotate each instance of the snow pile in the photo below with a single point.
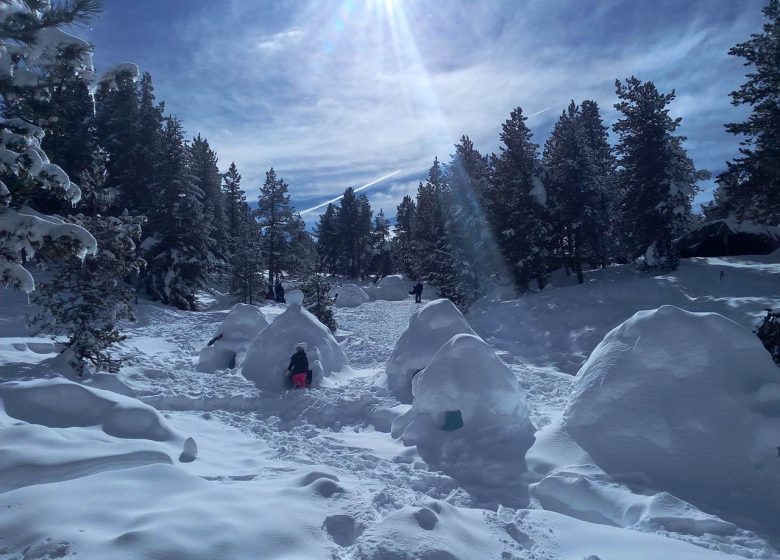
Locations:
(469, 418)
(429, 328)
(684, 402)
(242, 324)
(392, 288)
(269, 354)
(350, 295)
(294, 297)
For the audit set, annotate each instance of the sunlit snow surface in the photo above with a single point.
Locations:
(315, 474)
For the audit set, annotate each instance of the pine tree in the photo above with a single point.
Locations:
(275, 217)
(381, 254)
(178, 259)
(750, 187)
(516, 204)
(657, 178)
(353, 227)
(235, 200)
(246, 263)
(328, 242)
(404, 235)
(27, 76)
(301, 254)
(204, 168)
(317, 301)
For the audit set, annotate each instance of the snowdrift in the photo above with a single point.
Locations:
(429, 328)
(684, 402)
(242, 324)
(106, 431)
(350, 295)
(393, 288)
(269, 354)
(469, 418)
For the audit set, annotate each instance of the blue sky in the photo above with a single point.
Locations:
(336, 93)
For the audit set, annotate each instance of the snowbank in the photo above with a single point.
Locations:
(469, 418)
(242, 324)
(429, 328)
(684, 402)
(393, 288)
(350, 295)
(269, 354)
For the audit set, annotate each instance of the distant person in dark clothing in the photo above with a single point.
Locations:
(279, 290)
(417, 291)
(298, 370)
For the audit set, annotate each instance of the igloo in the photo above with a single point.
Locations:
(469, 418)
(269, 354)
(684, 402)
(242, 324)
(429, 328)
(393, 288)
(350, 295)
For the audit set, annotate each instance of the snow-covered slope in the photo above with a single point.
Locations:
(104, 469)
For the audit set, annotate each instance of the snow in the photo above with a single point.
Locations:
(671, 398)
(392, 288)
(350, 295)
(294, 297)
(269, 354)
(429, 329)
(242, 324)
(105, 468)
(486, 452)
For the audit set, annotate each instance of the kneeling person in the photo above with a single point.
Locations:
(298, 370)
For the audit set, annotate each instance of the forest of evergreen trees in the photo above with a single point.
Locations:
(154, 214)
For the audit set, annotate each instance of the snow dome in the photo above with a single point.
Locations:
(350, 295)
(469, 418)
(685, 402)
(242, 324)
(429, 328)
(269, 354)
(393, 288)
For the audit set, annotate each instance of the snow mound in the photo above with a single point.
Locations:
(392, 288)
(59, 403)
(429, 328)
(242, 324)
(269, 354)
(469, 418)
(350, 295)
(684, 402)
(294, 297)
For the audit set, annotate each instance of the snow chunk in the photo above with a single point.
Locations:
(392, 288)
(429, 328)
(350, 295)
(269, 354)
(469, 418)
(672, 397)
(59, 403)
(242, 324)
(294, 297)
(109, 77)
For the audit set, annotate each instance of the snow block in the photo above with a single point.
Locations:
(429, 328)
(485, 449)
(350, 295)
(59, 403)
(269, 354)
(687, 403)
(242, 324)
(294, 297)
(393, 288)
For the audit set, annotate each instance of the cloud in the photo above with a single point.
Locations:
(278, 41)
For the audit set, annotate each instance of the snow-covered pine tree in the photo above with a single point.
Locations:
(235, 201)
(353, 231)
(573, 191)
(750, 187)
(328, 241)
(178, 253)
(317, 301)
(428, 225)
(403, 240)
(246, 262)
(516, 204)
(275, 217)
(301, 253)
(204, 168)
(36, 56)
(365, 238)
(381, 254)
(657, 177)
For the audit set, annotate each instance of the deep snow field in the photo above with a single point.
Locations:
(664, 446)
